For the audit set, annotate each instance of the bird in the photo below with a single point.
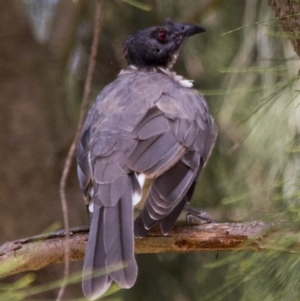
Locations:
(147, 128)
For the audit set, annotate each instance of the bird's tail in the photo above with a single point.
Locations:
(110, 248)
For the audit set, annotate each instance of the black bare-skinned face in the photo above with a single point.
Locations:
(158, 46)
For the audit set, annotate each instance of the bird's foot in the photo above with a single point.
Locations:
(197, 217)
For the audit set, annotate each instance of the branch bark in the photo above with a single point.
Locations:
(37, 252)
(288, 14)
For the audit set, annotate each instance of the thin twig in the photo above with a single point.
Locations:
(71, 153)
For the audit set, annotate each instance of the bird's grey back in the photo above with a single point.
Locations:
(122, 104)
(109, 129)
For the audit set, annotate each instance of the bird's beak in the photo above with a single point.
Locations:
(187, 30)
(184, 29)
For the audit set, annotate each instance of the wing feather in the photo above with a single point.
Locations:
(174, 159)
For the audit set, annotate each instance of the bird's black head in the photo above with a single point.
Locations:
(158, 46)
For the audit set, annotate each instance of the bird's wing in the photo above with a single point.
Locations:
(174, 142)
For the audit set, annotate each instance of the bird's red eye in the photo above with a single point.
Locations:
(162, 36)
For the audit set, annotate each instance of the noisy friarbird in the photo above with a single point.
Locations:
(147, 125)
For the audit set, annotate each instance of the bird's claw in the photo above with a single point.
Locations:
(197, 217)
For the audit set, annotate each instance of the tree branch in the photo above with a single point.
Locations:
(288, 14)
(37, 252)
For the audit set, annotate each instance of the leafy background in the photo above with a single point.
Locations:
(247, 70)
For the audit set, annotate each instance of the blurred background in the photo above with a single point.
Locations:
(248, 71)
